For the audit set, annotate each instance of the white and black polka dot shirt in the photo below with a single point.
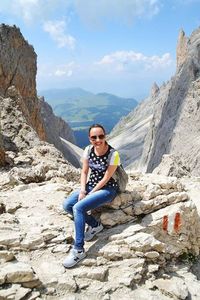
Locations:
(99, 165)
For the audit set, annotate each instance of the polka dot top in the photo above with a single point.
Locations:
(99, 165)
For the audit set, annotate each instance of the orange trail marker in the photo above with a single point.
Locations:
(177, 222)
(165, 223)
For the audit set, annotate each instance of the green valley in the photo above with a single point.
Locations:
(81, 108)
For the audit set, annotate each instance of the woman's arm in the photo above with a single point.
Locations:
(108, 174)
(84, 174)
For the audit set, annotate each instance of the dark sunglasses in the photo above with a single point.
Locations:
(95, 137)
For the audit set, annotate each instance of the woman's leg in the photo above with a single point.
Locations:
(80, 209)
(70, 201)
(68, 204)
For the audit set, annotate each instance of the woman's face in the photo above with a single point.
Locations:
(97, 137)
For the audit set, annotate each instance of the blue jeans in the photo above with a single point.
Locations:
(79, 209)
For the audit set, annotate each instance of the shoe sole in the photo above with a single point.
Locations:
(87, 240)
(75, 262)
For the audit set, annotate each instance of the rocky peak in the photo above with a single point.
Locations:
(154, 89)
(17, 62)
(182, 49)
(171, 124)
(18, 67)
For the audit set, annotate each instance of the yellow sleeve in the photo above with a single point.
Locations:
(115, 159)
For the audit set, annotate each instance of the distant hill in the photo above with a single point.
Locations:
(81, 108)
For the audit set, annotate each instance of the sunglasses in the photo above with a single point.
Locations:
(95, 137)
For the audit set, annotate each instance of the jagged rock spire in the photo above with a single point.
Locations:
(155, 89)
(182, 49)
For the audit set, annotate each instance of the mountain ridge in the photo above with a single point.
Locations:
(174, 123)
(81, 109)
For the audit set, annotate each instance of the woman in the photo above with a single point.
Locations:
(100, 188)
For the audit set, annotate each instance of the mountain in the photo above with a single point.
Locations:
(129, 134)
(33, 119)
(81, 108)
(169, 130)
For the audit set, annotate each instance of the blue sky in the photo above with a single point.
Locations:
(115, 46)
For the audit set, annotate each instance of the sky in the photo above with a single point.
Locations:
(115, 46)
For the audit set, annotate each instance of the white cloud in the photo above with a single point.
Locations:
(27, 9)
(60, 72)
(130, 60)
(56, 29)
(95, 12)
(66, 70)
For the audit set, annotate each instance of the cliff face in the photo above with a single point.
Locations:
(18, 81)
(56, 128)
(18, 68)
(177, 124)
(129, 135)
(174, 118)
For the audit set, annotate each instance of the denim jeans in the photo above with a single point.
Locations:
(79, 209)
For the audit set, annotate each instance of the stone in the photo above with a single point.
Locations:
(6, 256)
(147, 206)
(17, 272)
(34, 295)
(114, 217)
(32, 242)
(144, 242)
(175, 287)
(152, 254)
(120, 199)
(61, 248)
(67, 284)
(15, 292)
(10, 238)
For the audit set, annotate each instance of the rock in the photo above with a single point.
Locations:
(174, 226)
(126, 274)
(61, 248)
(32, 242)
(114, 217)
(34, 295)
(12, 207)
(15, 292)
(67, 284)
(171, 165)
(115, 252)
(144, 242)
(147, 206)
(6, 256)
(2, 208)
(152, 254)
(16, 272)
(120, 200)
(10, 238)
(174, 287)
(191, 282)
(167, 122)
(8, 180)
(181, 50)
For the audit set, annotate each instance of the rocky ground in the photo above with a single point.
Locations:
(148, 250)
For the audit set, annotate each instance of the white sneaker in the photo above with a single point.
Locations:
(74, 257)
(92, 231)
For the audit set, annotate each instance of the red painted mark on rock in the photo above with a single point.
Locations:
(177, 222)
(165, 223)
(172, 223)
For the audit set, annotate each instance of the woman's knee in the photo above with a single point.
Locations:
(67, 205)
(78, 207)
(70, 201)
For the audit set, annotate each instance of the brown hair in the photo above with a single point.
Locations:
(96, 126)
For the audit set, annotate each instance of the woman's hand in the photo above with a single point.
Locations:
(82, 195)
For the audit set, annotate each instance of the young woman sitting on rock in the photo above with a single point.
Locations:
(101, 188)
